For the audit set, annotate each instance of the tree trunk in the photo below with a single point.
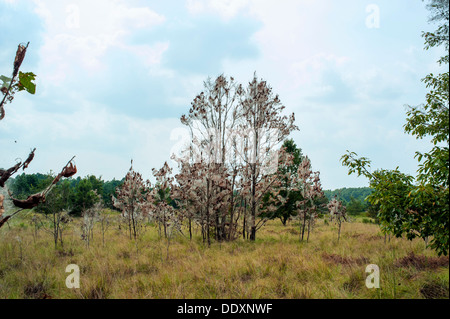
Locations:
(309, 229)
(304, 224)
(339, 232)
(207, 212)
(253, 207)
(190, 228)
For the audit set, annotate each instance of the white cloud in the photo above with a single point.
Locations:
(226, 9)
(195, 6)
(150, 55)
(78, 35)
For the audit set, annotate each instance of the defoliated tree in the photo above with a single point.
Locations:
(133, 201)
(337, 213)
(264, 128)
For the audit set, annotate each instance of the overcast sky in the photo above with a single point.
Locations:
(114, 77)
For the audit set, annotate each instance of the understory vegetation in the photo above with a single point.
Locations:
(276, 265)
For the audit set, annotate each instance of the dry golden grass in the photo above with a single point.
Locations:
(276, 266)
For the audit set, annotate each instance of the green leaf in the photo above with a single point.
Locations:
(5, 80)
(26, 82)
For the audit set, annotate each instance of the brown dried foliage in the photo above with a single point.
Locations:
(345, 260)
(6, 174)
(2, 208)
(421, 262)
(69, 171)
(20, 55)
(29, 203)
(4, 220)
(29, 159)
(435, 290)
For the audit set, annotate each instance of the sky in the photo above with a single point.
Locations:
(115, 76)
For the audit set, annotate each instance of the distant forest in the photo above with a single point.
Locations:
(81, 188)
(81, 192)
(346, 194)
(352, 198)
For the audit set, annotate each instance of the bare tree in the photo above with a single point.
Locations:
(231, 160)
(201, 191)
(262, 129)
(311, 190)
(132, 199)
(337, 213)
(105, 223)
(212, 122)
(163, 212)
(90, 217)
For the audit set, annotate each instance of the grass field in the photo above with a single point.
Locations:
(276, 266)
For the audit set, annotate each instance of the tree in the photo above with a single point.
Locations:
(109, 190)
(55, 210)
(355, 206)
(90, 217)
(432, 118)
(425, 207)
(288, 193)
(134, 200)
(262, 129)
(203, 191)
(228, 165)
(213, 121)
(419, 207)
(337, 213)
(311, 191)
(345, 194)
(163, 211)
(86, 194)
(105, 223)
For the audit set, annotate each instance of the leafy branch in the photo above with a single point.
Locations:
(10, 85)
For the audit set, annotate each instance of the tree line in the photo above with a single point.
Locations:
(80, 194)
(353, 198)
